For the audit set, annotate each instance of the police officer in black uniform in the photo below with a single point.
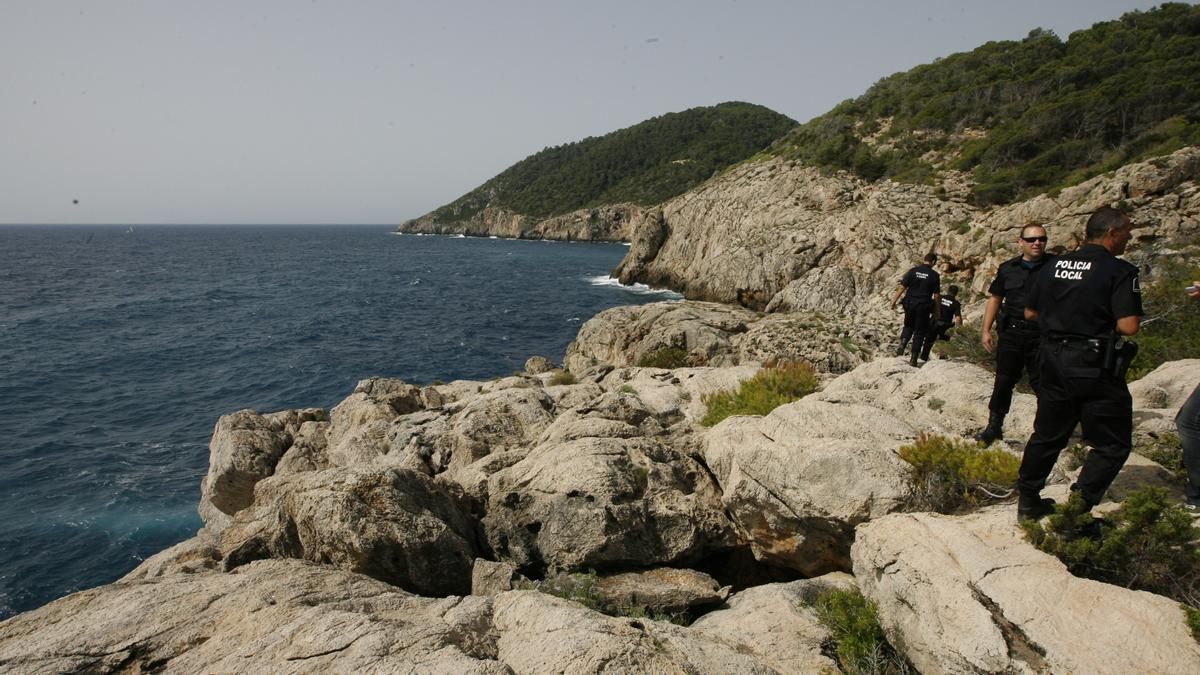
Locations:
(921, 287)
(1083, 301)
(1019, 337)
(950, 316)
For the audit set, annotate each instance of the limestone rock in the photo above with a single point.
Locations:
(777, 623)
(680, 391)
(602, 503)
(491, 578)
(968, 594)
(1167, 386)
(536, 365)
(309, 450)
(662, 589)
(245, 448)
(622, 336)
(798, 480)
(190, 556)
(572, 639)
(278, 616)
(392, 524)
(611, 222)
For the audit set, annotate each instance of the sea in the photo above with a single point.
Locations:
(120, 346)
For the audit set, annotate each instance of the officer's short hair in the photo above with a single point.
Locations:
(1104, 219)
(931, 258)
(953, 290)
(1026, 226)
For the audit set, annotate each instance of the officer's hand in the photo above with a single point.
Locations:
(1195, 292)
(986, 338)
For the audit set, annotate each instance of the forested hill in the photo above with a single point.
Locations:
(644, 164)
(1023, 117)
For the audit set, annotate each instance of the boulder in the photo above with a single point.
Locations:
(540, 633)
(680, 391)
(968, 595)
(777, 623)
(603, 503)
(278, 616)
(662, 590)
(392, 524)
(536, 365)
(1166, 387)
(244, 449)
(623, 336)
(798, 480)
(491, 578)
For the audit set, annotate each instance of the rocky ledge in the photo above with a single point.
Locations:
(406, 529)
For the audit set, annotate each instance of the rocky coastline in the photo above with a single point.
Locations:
(610, 223)
(423, 528)
(408, 528)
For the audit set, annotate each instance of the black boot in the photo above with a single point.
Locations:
(1033, 507)
(993, 431)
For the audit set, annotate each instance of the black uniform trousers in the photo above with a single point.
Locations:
(1072, 391)
(917, 318)
(1017, 351)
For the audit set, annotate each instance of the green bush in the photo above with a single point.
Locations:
(1151, 545)
(858, 640)
(1171, 329)
(578, 587)
(766, 391)
(1167, 451)
(951, 474)
(964, 345)
(667, 357)
(562, 377)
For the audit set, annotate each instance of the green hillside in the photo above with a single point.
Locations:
(644, 164)
(1024, 116)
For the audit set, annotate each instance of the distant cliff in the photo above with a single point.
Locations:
(566, 192)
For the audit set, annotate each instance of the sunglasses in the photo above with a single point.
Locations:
(1042, 239)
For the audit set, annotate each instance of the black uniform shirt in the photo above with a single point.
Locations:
(1013, 282)
(921, 282)
(1084, 293)
(950, 309)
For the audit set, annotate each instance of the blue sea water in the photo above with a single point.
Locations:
(120, 347)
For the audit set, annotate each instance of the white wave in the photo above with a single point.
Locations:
(459, 236)
(493, 237)
(636, 289)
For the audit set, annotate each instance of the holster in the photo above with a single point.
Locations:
(1118, 356)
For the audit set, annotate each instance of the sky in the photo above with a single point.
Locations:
(364, 112)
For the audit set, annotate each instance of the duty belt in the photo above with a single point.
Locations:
(1013, 322)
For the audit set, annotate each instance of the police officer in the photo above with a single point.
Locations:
(1082, 301)
(1019, 337)
(921, 287)
(950, 316)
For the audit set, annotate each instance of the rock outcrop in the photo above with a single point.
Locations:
(473, 487)
(780, 236)
(969, 595)
(612, 222)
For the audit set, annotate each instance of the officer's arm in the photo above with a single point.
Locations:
(989, 317)
(937, 306)
(1031, 314)
(899, 292)
(1128, 325)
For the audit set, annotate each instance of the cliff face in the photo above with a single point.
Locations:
(781, 236)
(613, 222)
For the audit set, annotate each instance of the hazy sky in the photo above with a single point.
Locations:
(374, 112)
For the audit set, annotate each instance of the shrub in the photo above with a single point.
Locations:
(562, 377)
(1150, 545)
(859, 643)
(627, 389)
(767, 390)
(1171, 330)
(951, 474)
(578, 587)
(667, 357)
(1167, 451)
(964, 345)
